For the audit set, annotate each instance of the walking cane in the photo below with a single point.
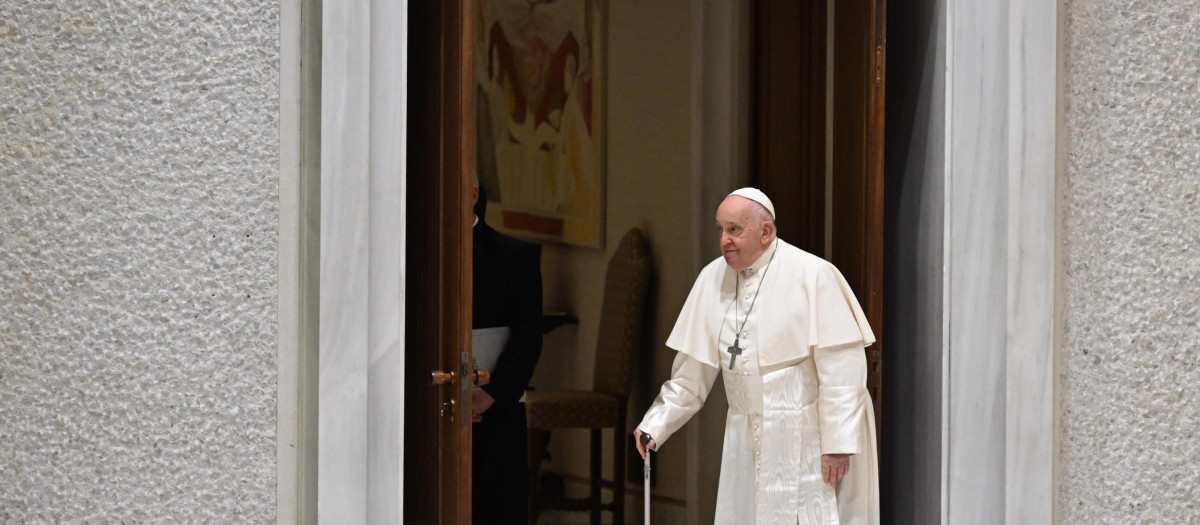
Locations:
(646, 475)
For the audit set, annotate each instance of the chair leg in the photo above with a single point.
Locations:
(618, 475)
(596, 475)
(537, 444)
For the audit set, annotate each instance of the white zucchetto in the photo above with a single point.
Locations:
(755, 195)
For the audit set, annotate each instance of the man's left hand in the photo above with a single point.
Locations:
(481, 401)
(834, 467)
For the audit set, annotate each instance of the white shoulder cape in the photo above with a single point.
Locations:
(805, 303)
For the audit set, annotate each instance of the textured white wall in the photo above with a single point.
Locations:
(138, 217)
(1131, 408)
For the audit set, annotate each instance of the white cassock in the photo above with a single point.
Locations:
(797, 391)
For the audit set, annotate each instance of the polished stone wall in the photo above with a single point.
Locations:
(1131, 409)
(363, 232)
(1000, 250)
(139, 157)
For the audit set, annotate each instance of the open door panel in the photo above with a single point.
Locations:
(859, 81)
(437, 445)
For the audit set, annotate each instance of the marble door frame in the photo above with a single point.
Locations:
(299, 250)
(362, 231)
(1001, 282)
(1001, 286)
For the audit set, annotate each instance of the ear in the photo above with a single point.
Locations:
(768, 232)
(474, 194)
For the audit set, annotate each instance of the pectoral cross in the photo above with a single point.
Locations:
(734, 352)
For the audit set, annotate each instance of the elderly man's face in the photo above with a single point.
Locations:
(744, 237)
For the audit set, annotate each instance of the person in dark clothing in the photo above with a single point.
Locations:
(507, 293)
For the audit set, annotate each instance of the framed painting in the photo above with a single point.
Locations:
(539, 79)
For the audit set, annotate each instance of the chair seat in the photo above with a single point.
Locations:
(571, 409)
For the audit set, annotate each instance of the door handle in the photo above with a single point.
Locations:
(481, 377)
(443, 378)
(451, 377)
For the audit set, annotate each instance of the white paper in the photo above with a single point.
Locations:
(488, 344)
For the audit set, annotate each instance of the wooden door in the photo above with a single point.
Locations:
(440, 149)
(860, 49)
(788, 161)
(791, 41)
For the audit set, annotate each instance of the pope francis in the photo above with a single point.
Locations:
(787, 334)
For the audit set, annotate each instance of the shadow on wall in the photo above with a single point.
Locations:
(910, 444)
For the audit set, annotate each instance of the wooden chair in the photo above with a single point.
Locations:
(622, 320)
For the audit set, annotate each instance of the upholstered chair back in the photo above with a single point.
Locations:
(623, 314)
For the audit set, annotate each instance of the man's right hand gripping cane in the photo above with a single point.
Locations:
(637, 438)
(644, 441)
